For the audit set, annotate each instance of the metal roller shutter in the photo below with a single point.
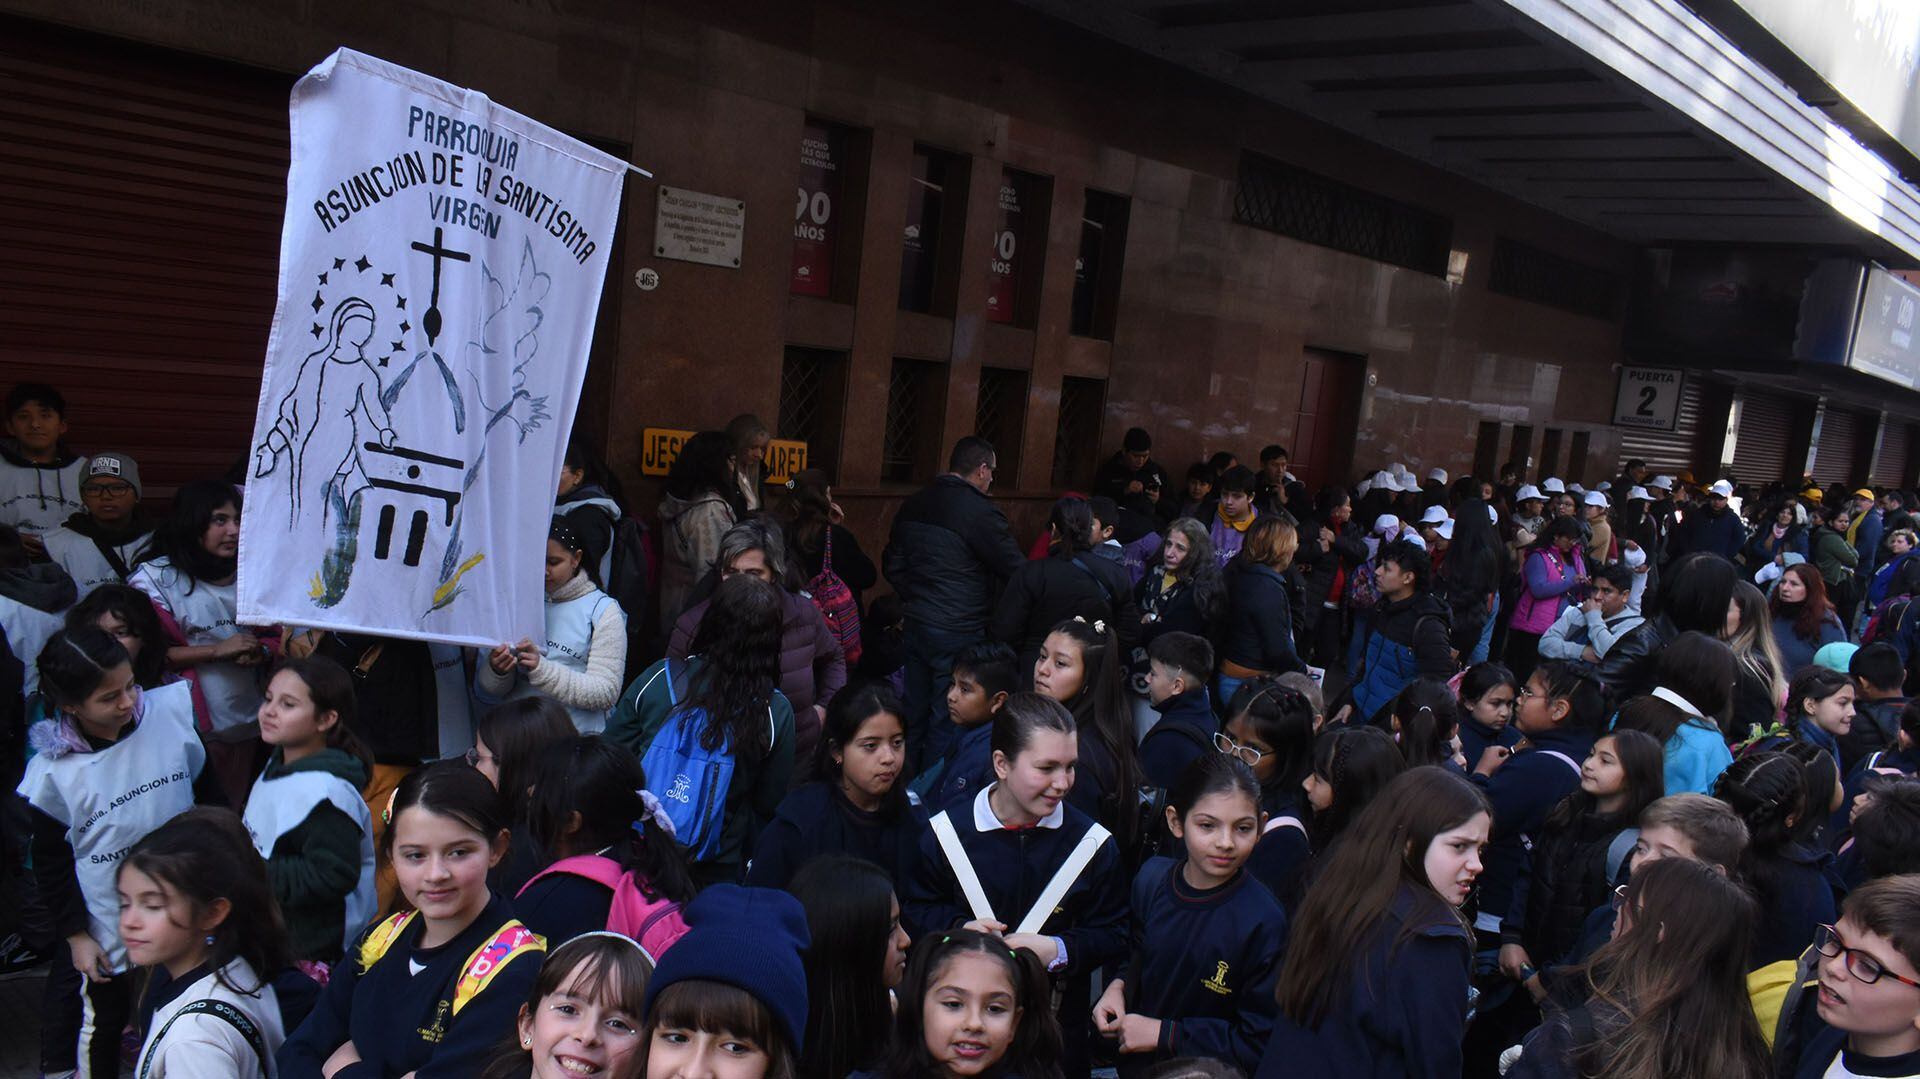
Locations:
(142, 221)
(1839, 450)
(1893, 466)
(1761, 439)
(1667, 451)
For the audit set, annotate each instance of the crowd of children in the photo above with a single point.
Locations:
(1227, 785)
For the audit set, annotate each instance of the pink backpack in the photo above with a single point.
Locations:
(654, 923)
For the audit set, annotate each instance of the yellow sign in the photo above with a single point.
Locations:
(659, 446)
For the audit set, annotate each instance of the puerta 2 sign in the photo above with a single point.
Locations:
(1648, 398)
(440, 269)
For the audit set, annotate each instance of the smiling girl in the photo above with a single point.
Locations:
(200, 911)
(972, 1008)
(1080, 666)
(583, 1017)
(106, 738)
(306, 815)
(429, 990)
(1207, 938)
(1023, 864)
(858, 806)
(1377, 973)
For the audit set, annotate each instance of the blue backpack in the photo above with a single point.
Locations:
(691, 780)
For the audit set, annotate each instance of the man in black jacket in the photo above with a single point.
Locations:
(948, 557)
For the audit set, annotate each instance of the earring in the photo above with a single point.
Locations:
(526, 1043)
(209, 940)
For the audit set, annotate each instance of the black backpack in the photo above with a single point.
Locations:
(626, 574)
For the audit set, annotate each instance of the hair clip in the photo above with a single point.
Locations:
(788, 485)
(386, 815)
(656, 813)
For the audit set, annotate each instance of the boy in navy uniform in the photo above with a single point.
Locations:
(984, 676)
(1178, 668)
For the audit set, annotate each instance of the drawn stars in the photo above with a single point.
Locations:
(323, 277)
(362, 264)
(405, 325)
(386, 279)
(339, 263)
(397, 346)
(318, 303)
(317, 331)
(401, 303)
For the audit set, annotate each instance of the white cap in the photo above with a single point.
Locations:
(1493, 513)
(1445, 529)
(1721, 489)
(1527, 491)
(1438, 475)
(1434, 515)
(1386, 524)
(1640, 493)
(1661, 483)
(1383, 481)
(1554, 486)
(1575, 488)
(1363, 486)
(1595, 498)
(1604, 485)
(1415, 539)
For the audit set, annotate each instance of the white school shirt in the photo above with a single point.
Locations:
(38, 500)
(109, 799)
(205, 616)
(28, 629)
(81, 557)
(199, 1044)
(278, 806)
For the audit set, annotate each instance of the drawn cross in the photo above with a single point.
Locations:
(431, 323)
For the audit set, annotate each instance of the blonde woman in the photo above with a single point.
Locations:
(1256, 637)
(1760, 679)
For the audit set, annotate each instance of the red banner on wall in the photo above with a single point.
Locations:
(821, 154)
(1004, 279)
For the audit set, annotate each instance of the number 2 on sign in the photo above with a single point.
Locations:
(1648, 395)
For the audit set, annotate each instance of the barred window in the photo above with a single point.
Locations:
(1528, 273)
(1312, 208)
(1000, 417)
(813, 386)
(916, 398)
(1076, 440)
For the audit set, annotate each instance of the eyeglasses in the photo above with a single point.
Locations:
(1232, 748)
(474, 757)
(1861, 967)
(1619, 896)
(108, 490)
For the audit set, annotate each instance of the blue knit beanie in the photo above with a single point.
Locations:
(749, 938)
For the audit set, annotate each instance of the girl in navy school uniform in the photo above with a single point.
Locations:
(1769, 792)
(430, 992)
(1426, 720)
(1487, 694)
(583, 1015)
(972, 1007)
(584, 654)
(1378, 972)
(1351, 766)
(590, 800)
(854, 965)
(202, 912)
(1577, 854)
(1206, 937)
(1820, 708)
(858, 806)
(1270, 728)
(306, 815)
(507, 743)
(1013, 839)
(1081, 666)
(110, 766)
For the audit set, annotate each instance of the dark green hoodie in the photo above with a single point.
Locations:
(316, 866)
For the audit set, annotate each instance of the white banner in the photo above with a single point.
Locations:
(440, 269)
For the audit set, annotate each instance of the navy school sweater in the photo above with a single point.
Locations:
(1281, 857)
(817, 819)
(1475, 737)
(968, 767)
(1183, 733)
(1204, 963)
(1796, 898)
(402, 1022)
(1014, 866)
(1404, 1013)
(563, 906)
(1522, 792)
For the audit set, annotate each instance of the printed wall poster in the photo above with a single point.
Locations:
(440, 268)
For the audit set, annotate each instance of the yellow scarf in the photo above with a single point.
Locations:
(1237, 526)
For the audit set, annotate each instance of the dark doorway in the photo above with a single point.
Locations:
(1329, 411)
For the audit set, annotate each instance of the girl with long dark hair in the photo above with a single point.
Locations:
(1270, 728)
(1469, 579)
(972, 1007)
(856, 960)
(1769, 792)
(1351, 766)
(127, 613)
(702, 500)
(507, 741)
(1377, 976)
(727, 684)
(1667, 996)
(1331, 550)
(813, 529)
(1079, 666)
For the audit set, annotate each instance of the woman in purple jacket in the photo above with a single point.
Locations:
(1554, 567)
